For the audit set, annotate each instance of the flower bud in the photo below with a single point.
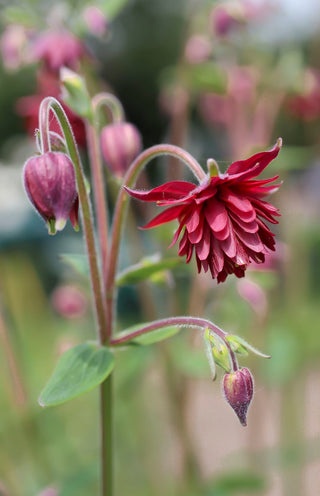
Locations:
(120, 145)
(50, 184)
(238, 391)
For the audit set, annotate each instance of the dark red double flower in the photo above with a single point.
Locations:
(222, 220)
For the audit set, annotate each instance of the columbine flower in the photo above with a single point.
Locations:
(222, 219)
(50, 183)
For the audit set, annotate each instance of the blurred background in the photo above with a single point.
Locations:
(223, 80)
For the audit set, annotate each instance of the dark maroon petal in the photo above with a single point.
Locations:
(240, 202)
(203, 247)
(196, 235)
(251, 240)
(217, 253)
(193, 219)
(216, 215)
(183, 245)
(253, 166)
(174, 190)
(244, 216)
(166, 216)
(221, 235)
(229, 245)
(246, 226)
(176, 235)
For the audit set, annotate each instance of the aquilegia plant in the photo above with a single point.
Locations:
(221, 222)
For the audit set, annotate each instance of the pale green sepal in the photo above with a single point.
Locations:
(248, 346)
(78, 370)
(75, 93)
(211, 361)
(236, 346)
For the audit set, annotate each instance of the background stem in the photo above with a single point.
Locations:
(101, 209)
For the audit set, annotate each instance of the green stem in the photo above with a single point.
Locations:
(120, 209)
(48, 104)
(101, 209)
(106, 429)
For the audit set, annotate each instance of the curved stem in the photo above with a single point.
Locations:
(123, 198)
(112, 103)
(197, 322)
(101, 209)
(48, 104)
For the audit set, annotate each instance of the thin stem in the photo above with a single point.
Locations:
(120, 209)
(112, 103)
(48, 104)
(99, 193)
(106, 429)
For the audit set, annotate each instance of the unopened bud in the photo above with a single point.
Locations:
(50, 184)
(69, 301)
(120, 145)
(238, 391)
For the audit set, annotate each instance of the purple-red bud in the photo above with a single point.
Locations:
(50, 183)
(238, 391)
(120, 145)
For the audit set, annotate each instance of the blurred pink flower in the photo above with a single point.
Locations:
(228, 16)
(197, 49)
(69, 302)
(253, 294)
(306, 104)
(13, 46)
(57, 49)
(95, 20)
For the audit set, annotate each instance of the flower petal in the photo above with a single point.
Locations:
(254, 165)
(165, 216)
(216, 214)
(174, 190)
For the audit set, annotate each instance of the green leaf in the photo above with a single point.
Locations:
(79, 263)
(145, 269)
(78, 370)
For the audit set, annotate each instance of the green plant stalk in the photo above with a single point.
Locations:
(120, 210)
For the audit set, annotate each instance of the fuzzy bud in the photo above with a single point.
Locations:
(50, 184)
(238, 391)
(120, 145)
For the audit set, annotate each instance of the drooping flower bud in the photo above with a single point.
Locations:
(50, 183)
(238, 391)
(120, 145)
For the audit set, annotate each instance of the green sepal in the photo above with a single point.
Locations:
(78, 370)
(146, 269)
(75, 93)
(236, 346)
(244, 345)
